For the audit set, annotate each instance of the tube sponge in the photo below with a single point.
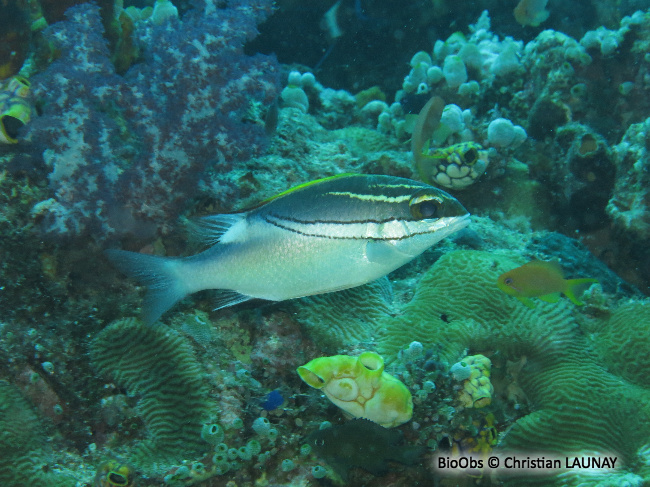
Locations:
(454, 71)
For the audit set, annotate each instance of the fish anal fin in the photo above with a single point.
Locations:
(575, 287)
(550, 298)
(527, 301)
(226, 297)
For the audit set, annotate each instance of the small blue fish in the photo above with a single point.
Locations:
(273, 401)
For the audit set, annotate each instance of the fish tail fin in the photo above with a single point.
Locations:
(161, 276)
(577, 287)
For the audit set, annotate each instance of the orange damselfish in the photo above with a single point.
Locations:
(531, 12)
(540, 279)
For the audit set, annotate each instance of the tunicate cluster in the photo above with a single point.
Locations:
(460, 371)
(48, 367)
(458, 58)
(305, 449)
(261, 426)
(288, 465)
(414, 350)
(502, 133)
(226, 459)
(212, 433)
(294, 95)
(603, 39)
(318, 471)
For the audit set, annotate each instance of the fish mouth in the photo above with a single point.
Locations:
(451, 224)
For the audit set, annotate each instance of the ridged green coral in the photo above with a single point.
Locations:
(25, 452)
(577, 405)
(623, 342)
(347, 317)
(158, 365)
(576, 398)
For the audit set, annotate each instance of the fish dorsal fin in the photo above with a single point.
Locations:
(299, 187)
(209, 230)
(552, 265)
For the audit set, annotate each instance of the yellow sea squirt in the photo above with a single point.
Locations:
(359, 386)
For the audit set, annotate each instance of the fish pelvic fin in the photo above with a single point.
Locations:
(527, 301)
(159, 274)
(550, 298)
(577, 287)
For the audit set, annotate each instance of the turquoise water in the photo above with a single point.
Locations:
(122, 125)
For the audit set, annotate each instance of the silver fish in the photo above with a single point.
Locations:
(323, 236)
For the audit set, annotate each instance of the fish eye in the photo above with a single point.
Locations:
(507, 281)
(425, 205)
(470, 156)
(117, 479)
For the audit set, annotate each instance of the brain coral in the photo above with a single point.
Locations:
(157, 364)
(623, 342)
(24, 449)
(347, 317)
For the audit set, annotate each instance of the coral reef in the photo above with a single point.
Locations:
(146, 111)
(158, 365)
(629, 205)
(125, 152)
(26, 452)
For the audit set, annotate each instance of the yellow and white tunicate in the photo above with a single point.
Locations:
(359, 386)
(475, 373)
(15, 110)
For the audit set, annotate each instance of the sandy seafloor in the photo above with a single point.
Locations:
(126, 121)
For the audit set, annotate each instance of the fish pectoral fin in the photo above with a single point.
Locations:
(550, 298)
(380, 252)
(227, 297)
(209, 230)
(527, 301)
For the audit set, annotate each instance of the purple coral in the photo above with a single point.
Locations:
(127, 150)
